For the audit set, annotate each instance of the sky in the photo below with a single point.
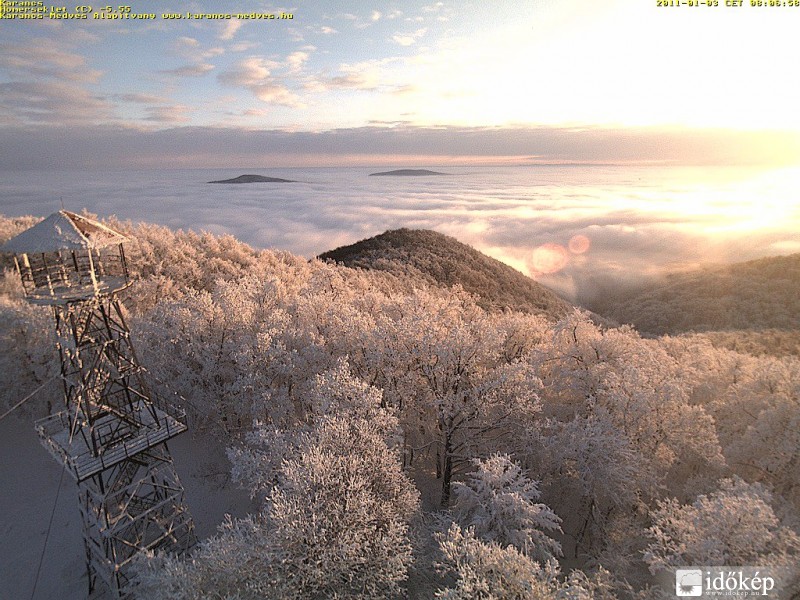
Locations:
(406, 83)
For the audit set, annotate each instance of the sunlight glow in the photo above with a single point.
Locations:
(628, 65)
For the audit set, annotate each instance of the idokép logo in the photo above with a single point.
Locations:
(689, 582)
(708, 582)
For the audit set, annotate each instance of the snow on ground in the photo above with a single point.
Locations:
(29, 480)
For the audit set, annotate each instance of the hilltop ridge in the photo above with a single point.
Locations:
(758, 294)
(254, 179)
(444, 261)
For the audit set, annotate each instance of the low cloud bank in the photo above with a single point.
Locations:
(189, 147)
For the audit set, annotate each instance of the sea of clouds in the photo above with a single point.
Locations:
(582, 230)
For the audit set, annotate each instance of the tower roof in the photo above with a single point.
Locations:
(63, 230)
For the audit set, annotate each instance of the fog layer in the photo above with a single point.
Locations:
(581, 230)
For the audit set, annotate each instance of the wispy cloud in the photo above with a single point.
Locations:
(212, 52)
(275, 93)
(352, 81)
(193, 70)
(295, 34)
(229, 29)
(364, 21)
(138, 98)
(61, 103)
(255, 74)
(191, 48)
(364, 75)
(187, 42)
(43, 58)
(176, 113)
(243, 46)
(408, 39)
(297, 60)
(250, 71)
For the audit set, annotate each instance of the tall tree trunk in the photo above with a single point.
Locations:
(447, 472)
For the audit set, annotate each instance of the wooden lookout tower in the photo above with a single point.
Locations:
(111, 436)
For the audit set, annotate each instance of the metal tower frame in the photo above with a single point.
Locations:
(112, 435)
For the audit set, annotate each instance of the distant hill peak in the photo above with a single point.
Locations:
(443, 261)
(254, 179)
(761, 294)
(406, 173)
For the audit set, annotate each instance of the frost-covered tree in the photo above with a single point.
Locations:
(619, 427)
(640, 387)
(340, 516)
(596, 474)
(755, 404)
(763, 422)
(484, 570)
(335, 519)
(28, 358)
(499, 502)
(238, 563)
(464, 397)
(488, 571)
(237, 353)
(736, 525)
(340, 509)
(257, 464)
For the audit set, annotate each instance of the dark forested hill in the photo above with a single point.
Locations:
(755, 295)
(441, 260)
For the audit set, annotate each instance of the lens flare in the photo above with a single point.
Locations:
(578, 244)
(549, 258)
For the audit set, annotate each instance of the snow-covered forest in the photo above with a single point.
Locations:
(402, 441)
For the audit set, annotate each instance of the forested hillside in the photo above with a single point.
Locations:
(754, 295)
(438, 259)
(407, 442)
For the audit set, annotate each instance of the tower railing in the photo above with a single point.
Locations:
(83, 461)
